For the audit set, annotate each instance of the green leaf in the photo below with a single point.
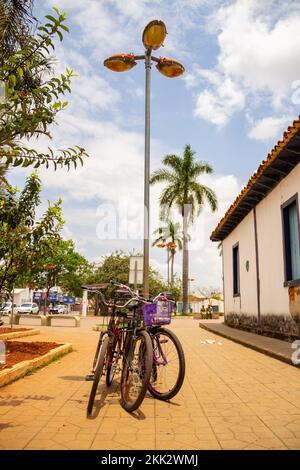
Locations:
(59, 34)
(51, 18)
(63, 26)
(13, 80)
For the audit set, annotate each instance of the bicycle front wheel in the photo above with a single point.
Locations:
(168, 368)
(136, 371)
(98, 373)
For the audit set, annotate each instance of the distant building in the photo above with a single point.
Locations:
(196, 303)
(22, 295)
(260, 238)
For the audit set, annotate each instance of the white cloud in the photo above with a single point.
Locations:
(114, 174)
(217, 106)
(119, 24)
(269, 128)
(259, 48)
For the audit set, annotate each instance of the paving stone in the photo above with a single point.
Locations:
(232, 398)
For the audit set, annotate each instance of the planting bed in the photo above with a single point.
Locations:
(17, 351)
(12, 330)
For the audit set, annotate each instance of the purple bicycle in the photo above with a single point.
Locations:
(168, 368)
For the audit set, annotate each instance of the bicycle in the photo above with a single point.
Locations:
(130, 342)
(168, 367)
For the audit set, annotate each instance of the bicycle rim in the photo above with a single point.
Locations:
(136, 371)
(168, 368)
(113, 359)
(98, 374)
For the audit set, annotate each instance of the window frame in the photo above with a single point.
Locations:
(291, 200)
(238, 293)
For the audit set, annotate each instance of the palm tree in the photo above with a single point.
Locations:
(170, 235)
(184, 191)
(15, 24)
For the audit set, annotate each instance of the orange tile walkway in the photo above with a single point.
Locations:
(232, 398)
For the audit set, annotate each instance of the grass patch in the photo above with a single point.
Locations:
(33, 370)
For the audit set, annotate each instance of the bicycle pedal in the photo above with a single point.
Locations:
(89, 377)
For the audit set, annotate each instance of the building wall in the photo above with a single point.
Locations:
(274, 296)
(246, 302)
(22, 296)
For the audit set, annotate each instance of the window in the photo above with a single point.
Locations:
(291, 236)
(236, 270)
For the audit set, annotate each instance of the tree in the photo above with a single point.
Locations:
(211, 293)
(169, 236)
(116, 267)
(61, 265)
(33, 99)
(185, 192)
(23, 240)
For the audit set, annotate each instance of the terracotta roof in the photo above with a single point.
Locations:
(280, 161)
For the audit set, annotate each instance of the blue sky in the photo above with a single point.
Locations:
(237, 96)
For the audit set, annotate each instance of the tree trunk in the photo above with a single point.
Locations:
(168, 264)
(185, 263)
(172, 268)
(46, 300)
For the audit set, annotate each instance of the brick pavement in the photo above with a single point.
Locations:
(232, 398)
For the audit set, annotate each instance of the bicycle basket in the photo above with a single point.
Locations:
(158, 313)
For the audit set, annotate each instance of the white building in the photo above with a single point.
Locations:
(196, 303)
(22, 295)
(261, 245)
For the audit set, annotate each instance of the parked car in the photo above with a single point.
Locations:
(58, 309)
(7, 308)
(29, 307)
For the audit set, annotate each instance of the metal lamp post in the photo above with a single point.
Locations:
(153, 37)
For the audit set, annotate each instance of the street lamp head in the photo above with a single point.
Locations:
(154, 34)
(170, 68)
(120, 62)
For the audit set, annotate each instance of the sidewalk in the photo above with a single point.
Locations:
(276, 348)
(232, 398)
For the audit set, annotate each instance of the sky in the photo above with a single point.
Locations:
(240, 91)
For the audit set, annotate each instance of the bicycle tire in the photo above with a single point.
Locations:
(98, 374)
(109, 372)
(167, 395)
(146, 356)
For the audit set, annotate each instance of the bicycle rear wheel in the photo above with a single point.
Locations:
(98, 374)
(136, 371)
(113, 361)
(168, 368)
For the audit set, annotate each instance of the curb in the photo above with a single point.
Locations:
(19, 334)
(260, 349)
(20, 370)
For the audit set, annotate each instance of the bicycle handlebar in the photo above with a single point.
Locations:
(138, 297)
(135, 296)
